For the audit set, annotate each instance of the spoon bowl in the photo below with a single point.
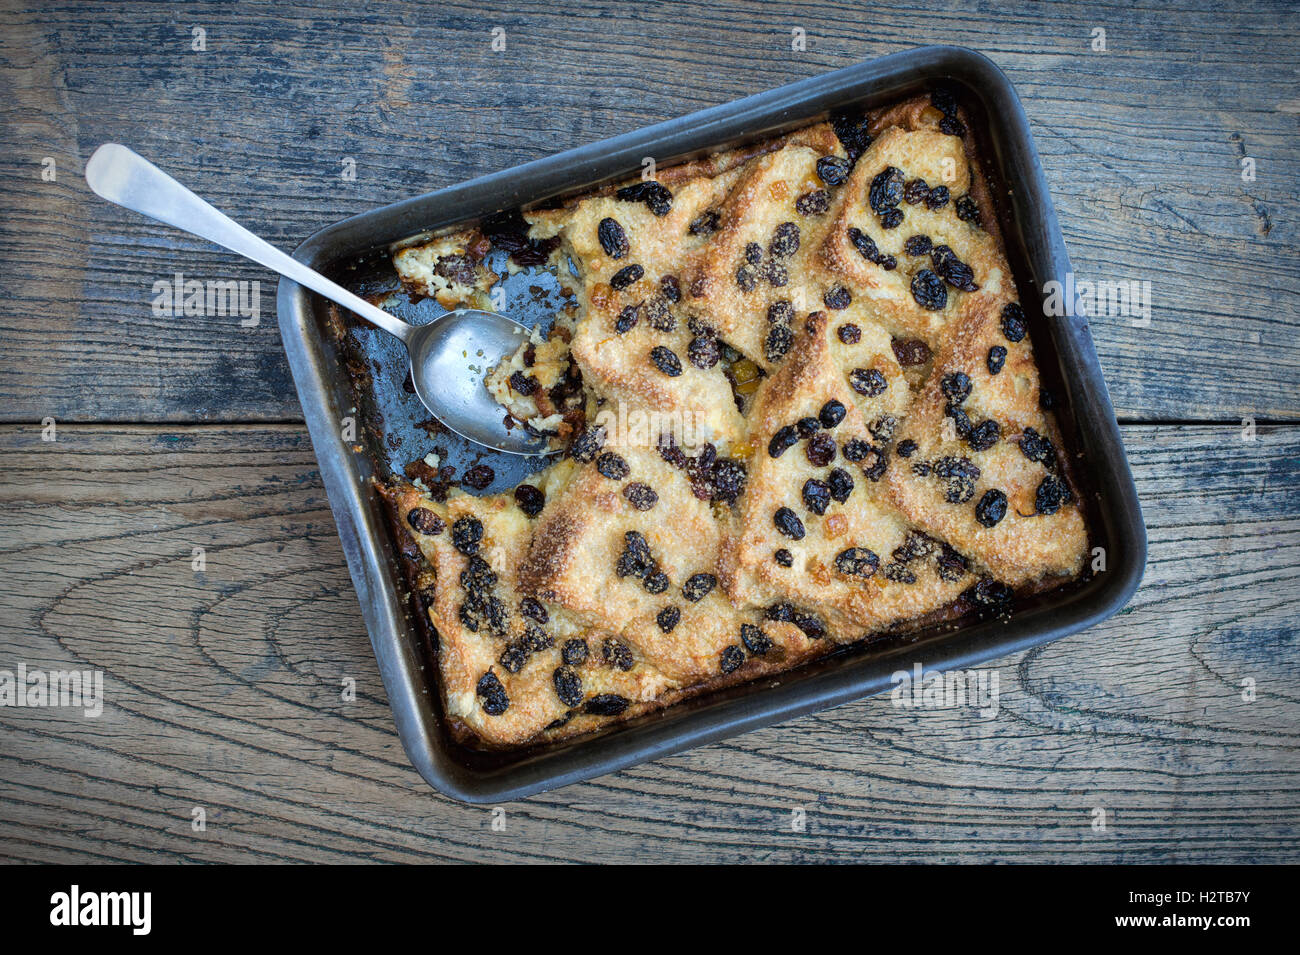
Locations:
(450, 360)
(450, 356)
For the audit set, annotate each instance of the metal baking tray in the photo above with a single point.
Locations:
(1066, 359)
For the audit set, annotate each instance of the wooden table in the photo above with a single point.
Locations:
(223, 686)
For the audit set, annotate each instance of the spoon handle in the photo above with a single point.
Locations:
(119, 175)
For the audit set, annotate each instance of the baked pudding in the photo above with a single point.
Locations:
(799, 408)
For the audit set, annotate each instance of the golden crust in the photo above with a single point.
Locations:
(897, 540)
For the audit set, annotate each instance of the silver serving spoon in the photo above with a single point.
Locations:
(449, 357)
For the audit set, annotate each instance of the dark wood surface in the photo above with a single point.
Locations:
(224, 686)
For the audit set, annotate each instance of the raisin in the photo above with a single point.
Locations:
(780, 312)
(891, 218)
(477, 578)
(811, 625)
(832, 413)
(703, 352)
(967, 210)
(513, 657)
(820, 450)
(530, 499)
(857, 562)
(956, 386)
(492, 695)
(627, 319)
(849, 333)
(755, 640)
(606, 704)
(635, 561)
(899, 574)
(747, 277)
(1037, 448)
(841, 484)
(785, 240)
(783, 557)
(928, 290)
(865, 245)
(837, 297)
(1051, 494)
(537, 639)
(587, 445)
(875, 463)
(612, 466)
(959, 489)
(670, 288)
(656, 198)
(1013, 322)
(706, 223)
(953, 270)
(856, 449)
(478, 477)
(668, 618)
(617, 654)
(807, 427)
(918, 245)
(938, 197)
(997, 358)
(728, 480)
(984, 435)
(992, 507)
(568, 685)
(524, 384)
(640, 496)
(776, 274)
(788, 523)
(697, 587)
(659, 316)
(852, 132)
(916, 190)
(990, 591)
(816, 496)
(666, 360)
(887, 262)
(952, 126)
(916, 545)
(782, 441)
(731, 659)
(906, 448)
(781, 613)
(628, 275)
(612, 238)
(814, 203)
(655, 583)
(886, 190)
(779, 340)
(952, 565)
(883, 428)
(466, 534)
(960, 420)
(753, 253)
(868, 381)
(832, 170)
(910, 351)
(425, 521)
(533, 610)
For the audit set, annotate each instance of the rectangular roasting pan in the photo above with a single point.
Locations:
(1037, 253)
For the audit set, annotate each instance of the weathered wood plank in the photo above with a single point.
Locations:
(223, 690)
(1142, 145)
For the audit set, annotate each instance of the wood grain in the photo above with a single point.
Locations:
(223, 691)
(1142, 145)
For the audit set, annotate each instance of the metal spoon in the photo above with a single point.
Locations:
(449, 356)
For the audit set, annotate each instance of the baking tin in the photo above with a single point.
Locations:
(1034, 247)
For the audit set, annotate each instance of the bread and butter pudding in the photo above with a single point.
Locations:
(800, 408)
